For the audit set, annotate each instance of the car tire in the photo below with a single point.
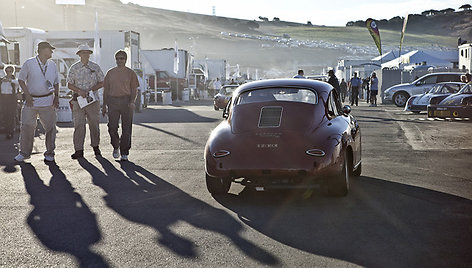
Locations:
(216, 108)
(400, 99)
(357, 172)
(339, 185)
(217, 185)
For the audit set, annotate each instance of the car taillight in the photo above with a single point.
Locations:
(221, 153)
(315, 152)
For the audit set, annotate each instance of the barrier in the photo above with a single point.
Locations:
(64, 113)
(166, 97)
(186, 94)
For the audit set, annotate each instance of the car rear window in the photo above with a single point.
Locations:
(278, 94)
(449, 78)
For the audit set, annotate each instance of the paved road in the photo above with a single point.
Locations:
(410, 208)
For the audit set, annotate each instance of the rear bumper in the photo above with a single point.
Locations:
(450, 111)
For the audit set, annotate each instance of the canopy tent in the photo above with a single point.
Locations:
(418, 58)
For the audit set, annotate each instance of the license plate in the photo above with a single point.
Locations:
(442, 113)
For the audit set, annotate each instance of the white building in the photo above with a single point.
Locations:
(465, 57)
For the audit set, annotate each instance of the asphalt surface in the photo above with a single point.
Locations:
(410, 208)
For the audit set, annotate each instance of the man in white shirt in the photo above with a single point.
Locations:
(217, 86)
(40, 83)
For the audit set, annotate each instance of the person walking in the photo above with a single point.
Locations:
(354, 86)
(333, 80)
(343, 89)
(300, 74)
(119, 94)
(8, 100)
(85, 77)
(39, 81)
(374, 89)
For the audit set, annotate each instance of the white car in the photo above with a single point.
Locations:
(399, 94)
(420, 102)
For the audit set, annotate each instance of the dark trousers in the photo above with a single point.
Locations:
(8, 106)
(355, 95)
(118, 108)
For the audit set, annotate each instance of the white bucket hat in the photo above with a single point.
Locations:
(84, 47)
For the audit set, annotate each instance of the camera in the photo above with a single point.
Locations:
(89, 98)
(49, 84)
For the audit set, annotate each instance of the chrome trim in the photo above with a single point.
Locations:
(315, 152)
(226, 153)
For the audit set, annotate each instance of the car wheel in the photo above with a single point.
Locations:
(339, 185)
(216, 108)
(400, 99)
(358, 170)
(217, 185)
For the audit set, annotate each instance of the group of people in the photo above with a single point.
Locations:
(39, 82)
(369, 84)
(352, 87)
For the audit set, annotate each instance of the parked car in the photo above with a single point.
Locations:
(454, 106)
(284, 133)
(221, 98)
(399, 94)
(419, 103)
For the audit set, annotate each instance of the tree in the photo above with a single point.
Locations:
(263, 18)
(465, 7)
(309, 23)
(447, 10)
(276, 19)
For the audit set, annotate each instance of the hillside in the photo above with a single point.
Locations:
(279, 48)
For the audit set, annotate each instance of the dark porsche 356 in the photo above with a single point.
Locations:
(457, 105)
(284, 133)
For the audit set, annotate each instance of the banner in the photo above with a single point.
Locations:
(176, 59)
(403, 33)
(374, 31)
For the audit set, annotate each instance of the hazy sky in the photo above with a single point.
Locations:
(328, 12)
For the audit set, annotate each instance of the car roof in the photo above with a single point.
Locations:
(319, 86)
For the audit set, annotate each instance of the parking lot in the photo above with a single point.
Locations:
(411, 207)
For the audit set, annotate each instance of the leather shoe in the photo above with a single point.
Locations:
(78, 154)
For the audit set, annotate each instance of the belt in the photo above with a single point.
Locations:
(42, 96)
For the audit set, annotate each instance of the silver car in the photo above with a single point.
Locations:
(420, 102)
(399, 94)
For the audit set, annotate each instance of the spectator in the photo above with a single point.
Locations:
(119, 94)
(8, 100)
(333, 80)
(39, 81)
(374, 89)
(85, 77)
(354, 86)
(343, 89)
(300, 74)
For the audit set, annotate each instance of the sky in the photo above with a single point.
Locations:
(329, 13)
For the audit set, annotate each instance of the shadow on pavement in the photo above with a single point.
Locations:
(174, 115)
(379, 224)
(60, 219)
(142, 197)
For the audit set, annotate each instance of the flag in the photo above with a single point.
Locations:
(374, 31)
(176, 59)
(96, 42)
(403, 32)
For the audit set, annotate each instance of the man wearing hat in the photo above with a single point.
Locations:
(39, 81)
(333, 80)
(85, 77)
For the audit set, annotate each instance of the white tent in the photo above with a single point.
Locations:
(419, 58)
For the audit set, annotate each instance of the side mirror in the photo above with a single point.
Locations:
(347, 109)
